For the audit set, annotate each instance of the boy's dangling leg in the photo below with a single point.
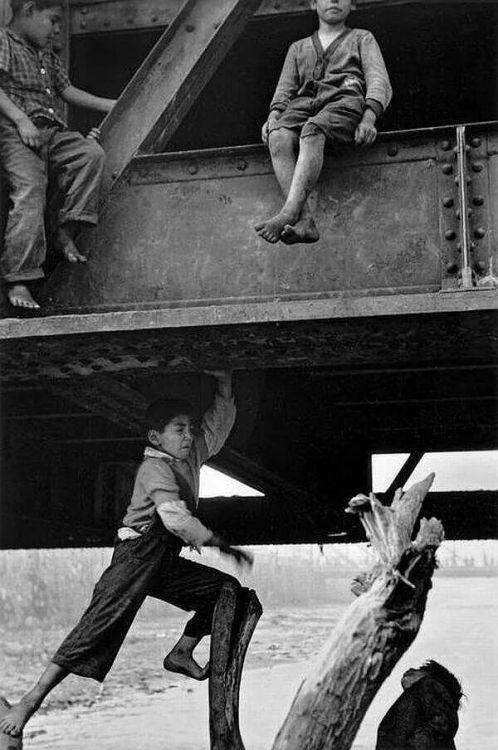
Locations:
(15, 720)
(294, 223)
(64, 237)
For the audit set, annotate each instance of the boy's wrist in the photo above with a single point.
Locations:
(369, 115)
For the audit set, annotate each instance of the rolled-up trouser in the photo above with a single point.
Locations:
(73, 165)
(147, 566)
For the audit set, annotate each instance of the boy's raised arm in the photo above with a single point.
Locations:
(219, 419)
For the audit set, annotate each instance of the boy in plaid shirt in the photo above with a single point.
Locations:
(35, 144)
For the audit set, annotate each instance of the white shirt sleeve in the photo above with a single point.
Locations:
(216, 426)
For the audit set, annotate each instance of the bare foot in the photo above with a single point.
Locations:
(271, 229)
(15, 718)
(304, 231)
(183, 664)
(65, 244)
(20, 296)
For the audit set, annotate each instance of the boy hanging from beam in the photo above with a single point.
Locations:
(160, 519)
(333, 87)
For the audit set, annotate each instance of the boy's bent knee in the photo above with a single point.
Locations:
(310, 130)
(281, 140)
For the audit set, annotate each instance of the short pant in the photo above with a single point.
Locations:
(337, 117)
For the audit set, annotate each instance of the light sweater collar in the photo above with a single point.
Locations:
(151, 452)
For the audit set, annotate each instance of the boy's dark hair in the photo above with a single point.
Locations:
(445, 677)
(16, 5)
(163, 410)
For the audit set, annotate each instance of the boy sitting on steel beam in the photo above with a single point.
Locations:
(160, 519)
(333, 87)
(36, 145)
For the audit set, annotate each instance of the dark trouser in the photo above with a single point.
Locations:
(147, 566)
(73, 165)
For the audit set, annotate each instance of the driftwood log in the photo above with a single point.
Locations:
(375, 631)
(236, 615)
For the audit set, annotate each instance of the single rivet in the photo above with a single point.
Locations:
(392, 150)
(445, 145)
(193, 169)
(479, 233)
(241, 165)
(448, 201)
(83, 25)
(475, 142)
(458, 214)
(479, 266)
(478, 200)
(189, 27)
(447, 169)
(84, 11)
(477, 166)
(114, 175)
(450, 234)
(451, 268)
(472, 245)
(154, 19)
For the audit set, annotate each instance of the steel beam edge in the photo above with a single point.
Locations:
(277, 311)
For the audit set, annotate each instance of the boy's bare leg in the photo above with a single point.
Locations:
(180, 659)
(20, 296)
(15, 720)
(65, 242)
(304, 178)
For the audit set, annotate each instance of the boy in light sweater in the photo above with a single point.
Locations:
(333, 87)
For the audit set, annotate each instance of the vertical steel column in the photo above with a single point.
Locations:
(465, 243)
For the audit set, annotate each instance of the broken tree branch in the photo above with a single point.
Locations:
(376, 629)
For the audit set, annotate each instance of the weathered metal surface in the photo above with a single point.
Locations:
(97, 16)
(464, 332)
(179, 229)
(170, 79)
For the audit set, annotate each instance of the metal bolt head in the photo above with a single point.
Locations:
(392, 150)
(241, 165)
(451, 268)
(189, 27)
(154, 19)
(450, 234)
(445, 146)
(193, 169)
(479, 233)
(447, 169)
(83, 25)
(477, 166)
(478, 200)
(475, 142)
(448, 201)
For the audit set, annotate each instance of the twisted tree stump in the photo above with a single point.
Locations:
(236, 615)
(375, 631)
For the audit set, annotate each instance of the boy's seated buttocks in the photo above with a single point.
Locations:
(333, 87)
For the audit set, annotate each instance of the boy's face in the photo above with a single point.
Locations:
(41, 26)
(176, 438)
(332, 11)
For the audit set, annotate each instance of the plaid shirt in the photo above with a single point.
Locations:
(33, 79)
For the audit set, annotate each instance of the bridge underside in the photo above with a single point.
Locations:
(317, 397)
